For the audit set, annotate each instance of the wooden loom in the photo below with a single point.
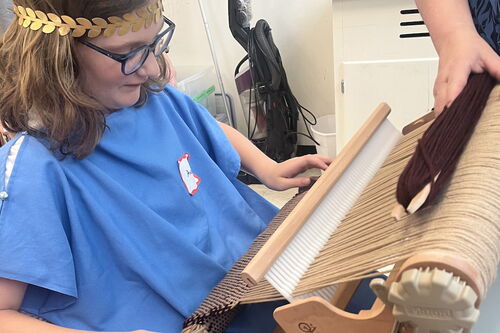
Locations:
(451, 286)
(425, 266)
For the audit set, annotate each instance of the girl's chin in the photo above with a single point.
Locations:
(126, 99)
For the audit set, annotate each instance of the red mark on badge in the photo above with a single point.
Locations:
(190, 180)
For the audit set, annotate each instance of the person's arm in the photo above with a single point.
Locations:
(445, 17)
(276, 176)
(461, 49)
(11, 321)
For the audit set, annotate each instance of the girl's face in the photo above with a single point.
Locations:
(102, 77)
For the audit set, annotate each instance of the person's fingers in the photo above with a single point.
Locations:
(320, 162)
(301, 164)
(456, 83)
(439, 93)
(328, 160)
(287, 183)
(492, 64)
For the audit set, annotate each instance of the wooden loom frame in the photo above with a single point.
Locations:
(317, 315)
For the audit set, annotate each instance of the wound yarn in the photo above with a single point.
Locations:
(441, 146)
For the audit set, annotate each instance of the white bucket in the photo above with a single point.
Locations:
(324, 133)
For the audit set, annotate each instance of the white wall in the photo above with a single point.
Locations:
(6, 15)
(302, 31)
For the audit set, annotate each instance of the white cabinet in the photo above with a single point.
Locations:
(382, 53)
(406, 85)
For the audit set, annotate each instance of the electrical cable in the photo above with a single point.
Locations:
(272, 96)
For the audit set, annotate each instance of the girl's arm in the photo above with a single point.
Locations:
(11, 321)
(276, 176)
(461, 49)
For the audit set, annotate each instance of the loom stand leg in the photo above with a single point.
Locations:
(316, 315)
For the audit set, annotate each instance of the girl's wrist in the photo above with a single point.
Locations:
(264, 170)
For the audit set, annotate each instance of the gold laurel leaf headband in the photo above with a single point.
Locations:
(36, 20)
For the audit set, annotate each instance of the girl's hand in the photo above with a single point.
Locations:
(462, 53)
(282, 176)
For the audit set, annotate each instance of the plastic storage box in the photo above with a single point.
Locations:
(200, 85)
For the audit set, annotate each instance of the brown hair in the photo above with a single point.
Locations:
(41, 92)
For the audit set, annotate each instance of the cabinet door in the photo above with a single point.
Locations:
(406, 85)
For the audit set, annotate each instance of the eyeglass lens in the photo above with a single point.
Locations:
(137, 60)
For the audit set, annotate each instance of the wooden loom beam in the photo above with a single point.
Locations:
(260, 264)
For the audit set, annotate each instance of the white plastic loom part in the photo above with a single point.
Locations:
(288, 269)
(431, 300)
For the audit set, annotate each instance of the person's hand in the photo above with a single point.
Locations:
(282, 176)
(462, 53)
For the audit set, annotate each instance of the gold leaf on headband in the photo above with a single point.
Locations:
(36, 25)
(84, 22)
(142, 13)
(115, 19)
(64, 30)
(124, 29)
(69, 21)
(149, 21)
(30, 13)
(78, 31)
(100, 22)
(137, 26)
(48, 28)
(41, 15)
(54, 18)
(94, 32)
(129, 17)
(109, 31)
(22, 11)
(20, 20)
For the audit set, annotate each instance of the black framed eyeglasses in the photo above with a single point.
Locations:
(134, 59)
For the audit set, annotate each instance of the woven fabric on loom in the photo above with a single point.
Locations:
(218, 310)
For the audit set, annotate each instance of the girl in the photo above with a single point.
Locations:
(120, 207)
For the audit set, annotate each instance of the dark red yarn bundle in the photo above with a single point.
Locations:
(439, 149)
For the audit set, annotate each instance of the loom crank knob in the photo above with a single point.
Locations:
(433, 300)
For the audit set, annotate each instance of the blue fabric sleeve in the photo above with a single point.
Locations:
(486, 16)
(34, 245)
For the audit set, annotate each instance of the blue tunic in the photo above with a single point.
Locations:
(115, 241)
